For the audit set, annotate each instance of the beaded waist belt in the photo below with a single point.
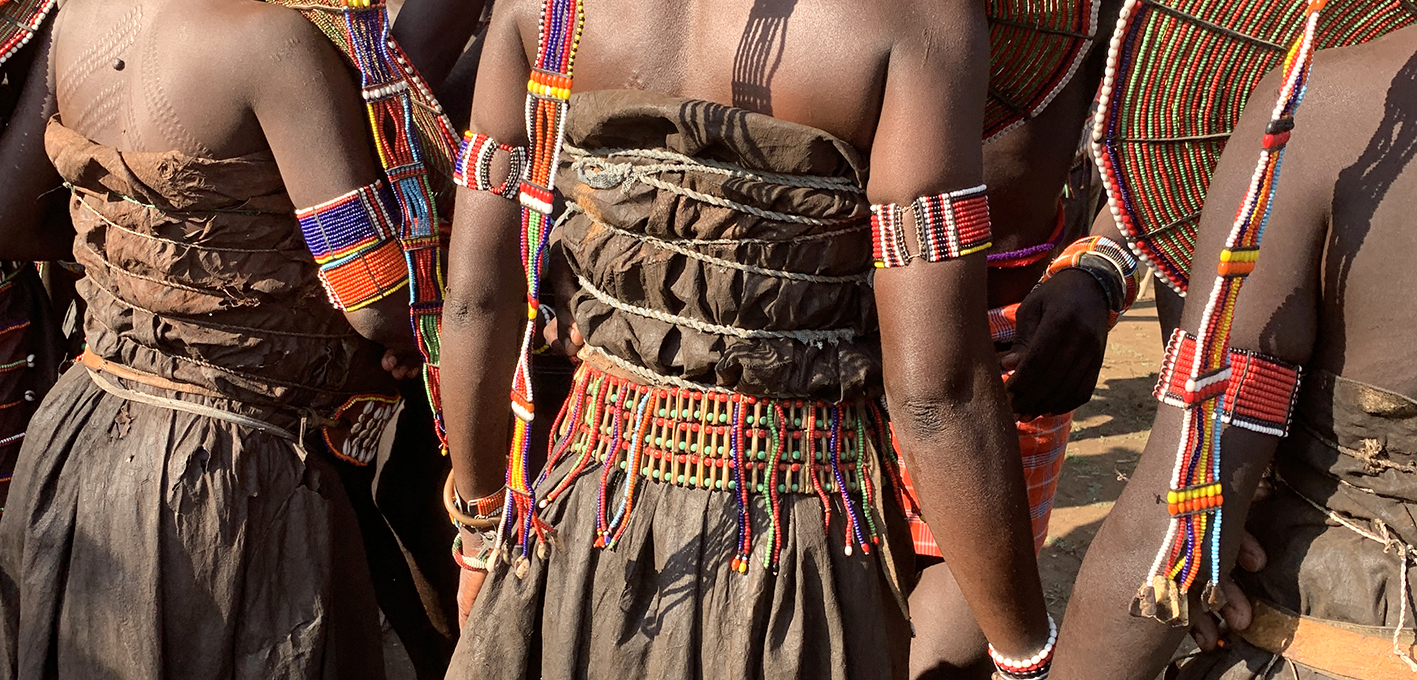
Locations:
(722, 441)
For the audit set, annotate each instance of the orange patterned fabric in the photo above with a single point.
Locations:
(1042, 443)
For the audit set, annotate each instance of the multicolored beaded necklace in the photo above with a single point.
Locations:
(19, 21)
(1195, 500)
(547, 102)
(1034, 49)
(1201, 58)
(416, 147)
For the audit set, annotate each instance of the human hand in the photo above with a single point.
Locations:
(1235, 612)
(561, 332)
(469, 585)
(1057, 355)
(402, 365)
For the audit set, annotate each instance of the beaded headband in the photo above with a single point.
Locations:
(947, 226)
(1192, 540)
(353, 239)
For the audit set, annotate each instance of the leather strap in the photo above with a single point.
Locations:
(95, 362)
(1331, 647)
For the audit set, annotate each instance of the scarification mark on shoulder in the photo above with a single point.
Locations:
(159, 106)
(119, 37)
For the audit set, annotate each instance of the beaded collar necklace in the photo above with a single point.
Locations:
(19, 21)
(1168, 56)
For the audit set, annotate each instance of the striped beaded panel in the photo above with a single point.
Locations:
(1035, 47)
(1179, 73)
(19, 21)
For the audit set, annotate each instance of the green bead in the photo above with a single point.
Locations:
(762, 488)
(796, 488)
(694, 448)
(762, 455)
(683, 445)
(718, 484)
(796, 455)
(655, 474)
(649, 438)
(623, 465)
(705, 482)
(797, 422)
(645, 471)
(661, 413)
(721, 450)
(674, 413)
(782, 488)
(698, 415)
(723, 417)
(659, 441)
(679, 479)
(732, 484)
(693, 481)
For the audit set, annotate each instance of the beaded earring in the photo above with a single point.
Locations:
(1192, 540)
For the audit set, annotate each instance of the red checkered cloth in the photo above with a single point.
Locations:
(1042, 442)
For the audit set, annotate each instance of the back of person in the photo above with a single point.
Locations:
(178, 512)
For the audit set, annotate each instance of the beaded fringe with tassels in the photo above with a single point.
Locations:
(1179, 73)
(726, 442)
(547, 102)
(416, 148)
(1193, 537)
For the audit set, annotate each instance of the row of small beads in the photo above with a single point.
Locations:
(1194, 499)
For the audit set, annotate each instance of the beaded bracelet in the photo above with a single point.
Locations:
(947, 226)
(474, 165)
(1035, 667)
(1112, 265)
(354, 240)
(482, 560)
(478, 515)
(1260, 391)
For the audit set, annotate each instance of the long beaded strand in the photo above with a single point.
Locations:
(547, 102)
(1195, 500)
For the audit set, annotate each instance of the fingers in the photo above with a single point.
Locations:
(1252, 557)
(1205, 631)
(1236, 612)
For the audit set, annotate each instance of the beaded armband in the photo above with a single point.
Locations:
(482, 559)
(474, 165)
(1260, 391)
(947, 226)
(1114, 268)
(354, 240)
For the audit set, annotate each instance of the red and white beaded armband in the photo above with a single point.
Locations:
(474, 165)
(947, 226)
(1259, 391)
(1033, 668)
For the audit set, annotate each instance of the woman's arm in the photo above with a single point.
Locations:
(942, 381)
(1100, 639)
(31, 194)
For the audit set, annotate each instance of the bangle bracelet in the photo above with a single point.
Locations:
(1035, 667)
(478, 562)
(458, 513)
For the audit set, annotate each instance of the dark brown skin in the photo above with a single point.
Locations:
(32, 204)
(222, 79)
(434, 33)
(903, 80)
(1332, 291)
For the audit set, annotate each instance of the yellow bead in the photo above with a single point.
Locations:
(1170, 497)
(531, 312)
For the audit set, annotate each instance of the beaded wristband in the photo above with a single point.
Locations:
(1102, 257)
(353, 239)
(1035, 667)
(947, 226)
(474, 165)
(1260, 391)
(480, 514)
(482, 560)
